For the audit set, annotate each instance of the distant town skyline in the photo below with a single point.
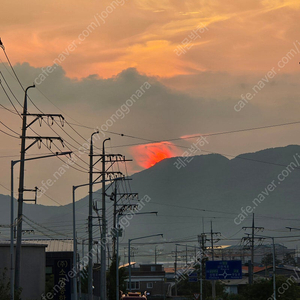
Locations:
(154, 77)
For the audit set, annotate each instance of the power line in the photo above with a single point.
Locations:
(12, 156)
(10, 100)
(38, 110)
(5, 187)
(16, 137)
(13, 69)
(191, 137)
(44, 194)
(56, 105)
(194, 208)
(63, 161)
(9, 128)
(10, 89)
(3, 107)
(212, 134)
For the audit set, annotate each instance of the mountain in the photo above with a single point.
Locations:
(209, 186)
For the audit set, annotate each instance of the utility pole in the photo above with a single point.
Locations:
(251, 240)
(103, 234)
(202, 242)
(111, 158)
(212, 258)
(212, 234)
(90, 221)
(90, 281)
(13, 226)
(112, 177)
(119, 233)
(213, 283)
(21, 189)
(129, 241)
(175, 271)
(102, 177)
(115, 220)
(252, 249)
(274, 263)
(186, 255)
(124, 207)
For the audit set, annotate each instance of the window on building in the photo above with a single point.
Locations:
(135, 285)
(149, 285)
(152, 268)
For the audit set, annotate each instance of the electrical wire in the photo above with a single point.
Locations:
(3, 107)
(25, 219)
(206, 135)
(63, 161)
(10, 100)
(9, 128)
(16, 137)
(5, 187)
(191, 137)
(34, 105)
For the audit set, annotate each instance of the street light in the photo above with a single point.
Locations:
(103, 294)
(90, 220)
(129, 241)
(200, 271)
(274, 263)
(75, 240)
(74, 236)
(13, 162)
(117, 252)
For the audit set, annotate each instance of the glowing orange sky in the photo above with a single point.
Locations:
(148, 155)
(190, 93)
(144, 34)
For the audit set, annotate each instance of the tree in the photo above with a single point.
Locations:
(5, 287)
(186, 288)
(49, 283)
(234, 297)
(84, 275)
(288, 259)
(111, 279)
(286, 289)
(267, 260)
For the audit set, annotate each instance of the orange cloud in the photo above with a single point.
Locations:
(242, 36)
(190, 136)
(148, 155)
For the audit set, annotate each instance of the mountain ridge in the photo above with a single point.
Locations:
(211, 186)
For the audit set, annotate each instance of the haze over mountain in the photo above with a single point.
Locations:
(210, 186)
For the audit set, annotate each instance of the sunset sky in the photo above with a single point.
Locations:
(192, 68)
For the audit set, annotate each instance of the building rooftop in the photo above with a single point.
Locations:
(52, 245)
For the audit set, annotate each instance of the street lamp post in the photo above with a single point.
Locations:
(90, 220)
(75, 240)
(12, 270)
(74, 229)
(103, 233)
(117, 251)
(200, 271)
(129, 241)
(117, 259)
(74, 247)
(274, 263)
